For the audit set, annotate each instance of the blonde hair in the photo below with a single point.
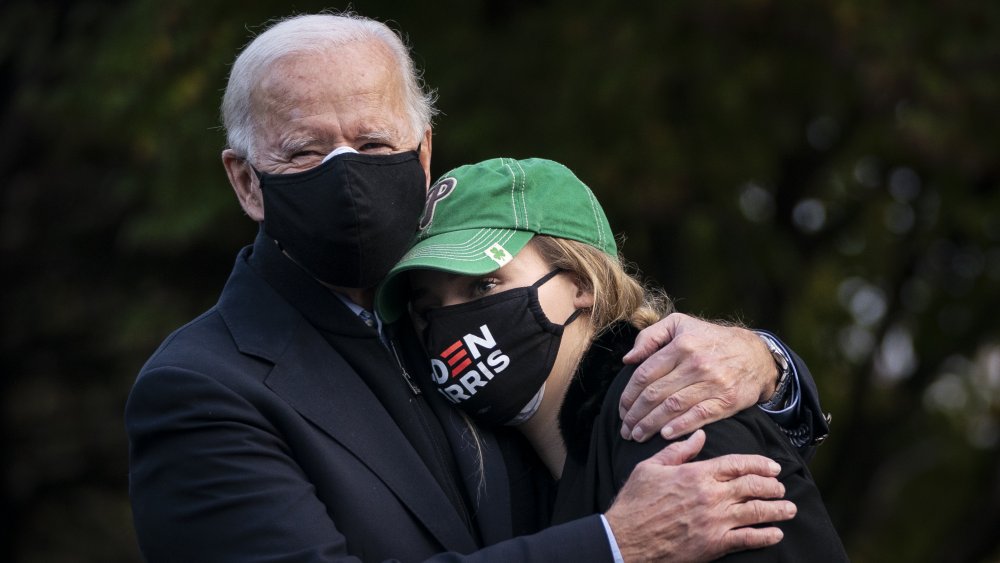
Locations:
(618, 294)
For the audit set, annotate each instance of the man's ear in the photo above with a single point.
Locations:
(245, 184)
(425, 156)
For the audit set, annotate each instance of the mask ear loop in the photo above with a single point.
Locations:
(572, 317)
(549, 276)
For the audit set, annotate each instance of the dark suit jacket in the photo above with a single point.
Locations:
(251, 439)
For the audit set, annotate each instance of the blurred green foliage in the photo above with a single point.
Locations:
(826, 170)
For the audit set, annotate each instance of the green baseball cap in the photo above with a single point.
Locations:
(479, 216)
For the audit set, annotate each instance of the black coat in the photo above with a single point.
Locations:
(599, 461)
(253, 439)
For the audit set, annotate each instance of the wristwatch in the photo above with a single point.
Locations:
(784, 365)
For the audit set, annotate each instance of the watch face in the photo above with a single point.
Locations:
(779, 355)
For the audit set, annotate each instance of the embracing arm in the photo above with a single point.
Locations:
(698, 511)
(212, 479)
(694, 372)
(809, 536)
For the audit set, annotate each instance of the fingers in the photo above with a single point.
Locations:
(681, 452)
(681, 413)
(722, 499)
(659, 418)
(733, 466)
(700, 414)
(646, 388)
(743, 516)
(750, 538)
(756, 487)
(652, 338)
(702, 373)
(754, 512)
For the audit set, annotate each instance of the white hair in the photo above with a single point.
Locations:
(307, 34)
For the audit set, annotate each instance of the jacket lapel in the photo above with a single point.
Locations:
(311, 377)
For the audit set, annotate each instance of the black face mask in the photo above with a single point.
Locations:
(348, 220)
(491, 356)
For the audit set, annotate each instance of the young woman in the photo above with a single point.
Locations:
(525, 310)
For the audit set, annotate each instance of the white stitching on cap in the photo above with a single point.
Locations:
(473, 243)
(461, 252)
(513, 184)
(524, 187)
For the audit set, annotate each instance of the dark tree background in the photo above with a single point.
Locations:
(827, 170)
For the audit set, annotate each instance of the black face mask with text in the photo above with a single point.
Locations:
(491, 356)
(348, 220)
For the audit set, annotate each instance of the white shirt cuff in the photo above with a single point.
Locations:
(615, 552)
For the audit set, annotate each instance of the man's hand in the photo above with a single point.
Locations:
(693, 372)
(697, 511)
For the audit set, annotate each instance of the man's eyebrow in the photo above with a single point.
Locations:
(379, 135)
(294, 144)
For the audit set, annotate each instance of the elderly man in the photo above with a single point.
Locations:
(287, 423)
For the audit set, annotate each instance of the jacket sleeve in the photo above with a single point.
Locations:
(805, 425)
(211, 479)
(810, 535)
(582, 540)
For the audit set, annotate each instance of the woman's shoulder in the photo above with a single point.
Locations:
(595, 386)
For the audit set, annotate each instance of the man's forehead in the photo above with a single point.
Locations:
(362, 97)
(343, 72)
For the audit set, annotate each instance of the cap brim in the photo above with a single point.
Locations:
(470, 252)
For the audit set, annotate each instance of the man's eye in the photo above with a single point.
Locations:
(377, 148)
(305, 155)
